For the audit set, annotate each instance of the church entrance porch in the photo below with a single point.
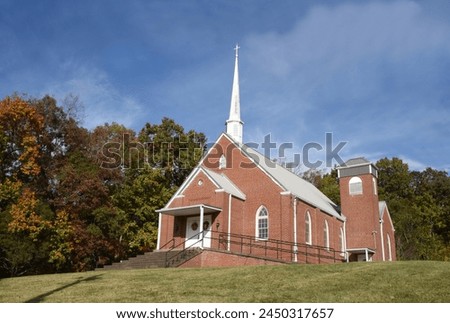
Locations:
(191, 226)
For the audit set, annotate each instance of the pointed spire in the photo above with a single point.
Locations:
(234, 123)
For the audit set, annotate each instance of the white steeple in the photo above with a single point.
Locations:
(234, 122)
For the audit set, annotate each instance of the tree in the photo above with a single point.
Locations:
(50, 190)
(172, 149)
(139, 198)
(437, 184)
(154, 164)
(394, 179)
(329, 185)
(418, 203)
(20, 129)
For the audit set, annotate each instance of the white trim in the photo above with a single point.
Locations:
(210, 178)
(382, 240)
(341, 241)
(202, 230)
(243, 197)
(365, 251)
(355, 165)
(308, 226)
(203, 237)
(183, 186)
(326, 231)
(355, 180)
(385, 207)
(389, 246)
(229, 222)
(361, 249)
(223, 134)
(295, 230)
(193, 173)
(286, 193)
(188, 208)
(158, 243)
(345, 240)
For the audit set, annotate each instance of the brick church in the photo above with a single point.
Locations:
(237, 207)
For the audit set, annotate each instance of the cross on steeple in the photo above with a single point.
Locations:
(236, 49)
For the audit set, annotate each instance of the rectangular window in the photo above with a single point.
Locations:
(262, 228)
(356, 189)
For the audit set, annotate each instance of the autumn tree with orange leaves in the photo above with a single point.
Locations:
(64, 204)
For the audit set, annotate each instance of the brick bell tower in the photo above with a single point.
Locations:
(360, 204)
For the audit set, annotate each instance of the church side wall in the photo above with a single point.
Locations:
(310, 253)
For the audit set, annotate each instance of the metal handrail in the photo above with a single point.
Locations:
(167, 243)
(279, 246)
(177, 255)
(251, 246)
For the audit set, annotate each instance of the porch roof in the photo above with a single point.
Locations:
(189, 210)
(360, 250)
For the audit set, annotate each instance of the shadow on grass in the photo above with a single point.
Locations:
(42, 297)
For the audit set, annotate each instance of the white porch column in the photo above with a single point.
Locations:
(202, 216)
(158, 244)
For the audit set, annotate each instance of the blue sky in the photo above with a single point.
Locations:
(376, 74)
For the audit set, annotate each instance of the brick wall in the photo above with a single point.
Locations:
(260, 190)
(362, 214)
(211, 258)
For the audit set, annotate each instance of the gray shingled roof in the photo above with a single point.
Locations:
(225, 183)
(299, 187)
(356, 161)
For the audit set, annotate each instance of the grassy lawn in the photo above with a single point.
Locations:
(399, 282)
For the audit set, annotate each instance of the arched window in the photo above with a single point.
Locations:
(355, 186)
(262, 223)
(308, 231)
(389, 247)
(326, 235)
(374, 186)
(222, 162)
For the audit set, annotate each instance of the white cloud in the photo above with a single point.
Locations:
(371, 72)
(413, 164)
(329, 38)
(103, 102)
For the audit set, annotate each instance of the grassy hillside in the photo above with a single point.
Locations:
(422, 282)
